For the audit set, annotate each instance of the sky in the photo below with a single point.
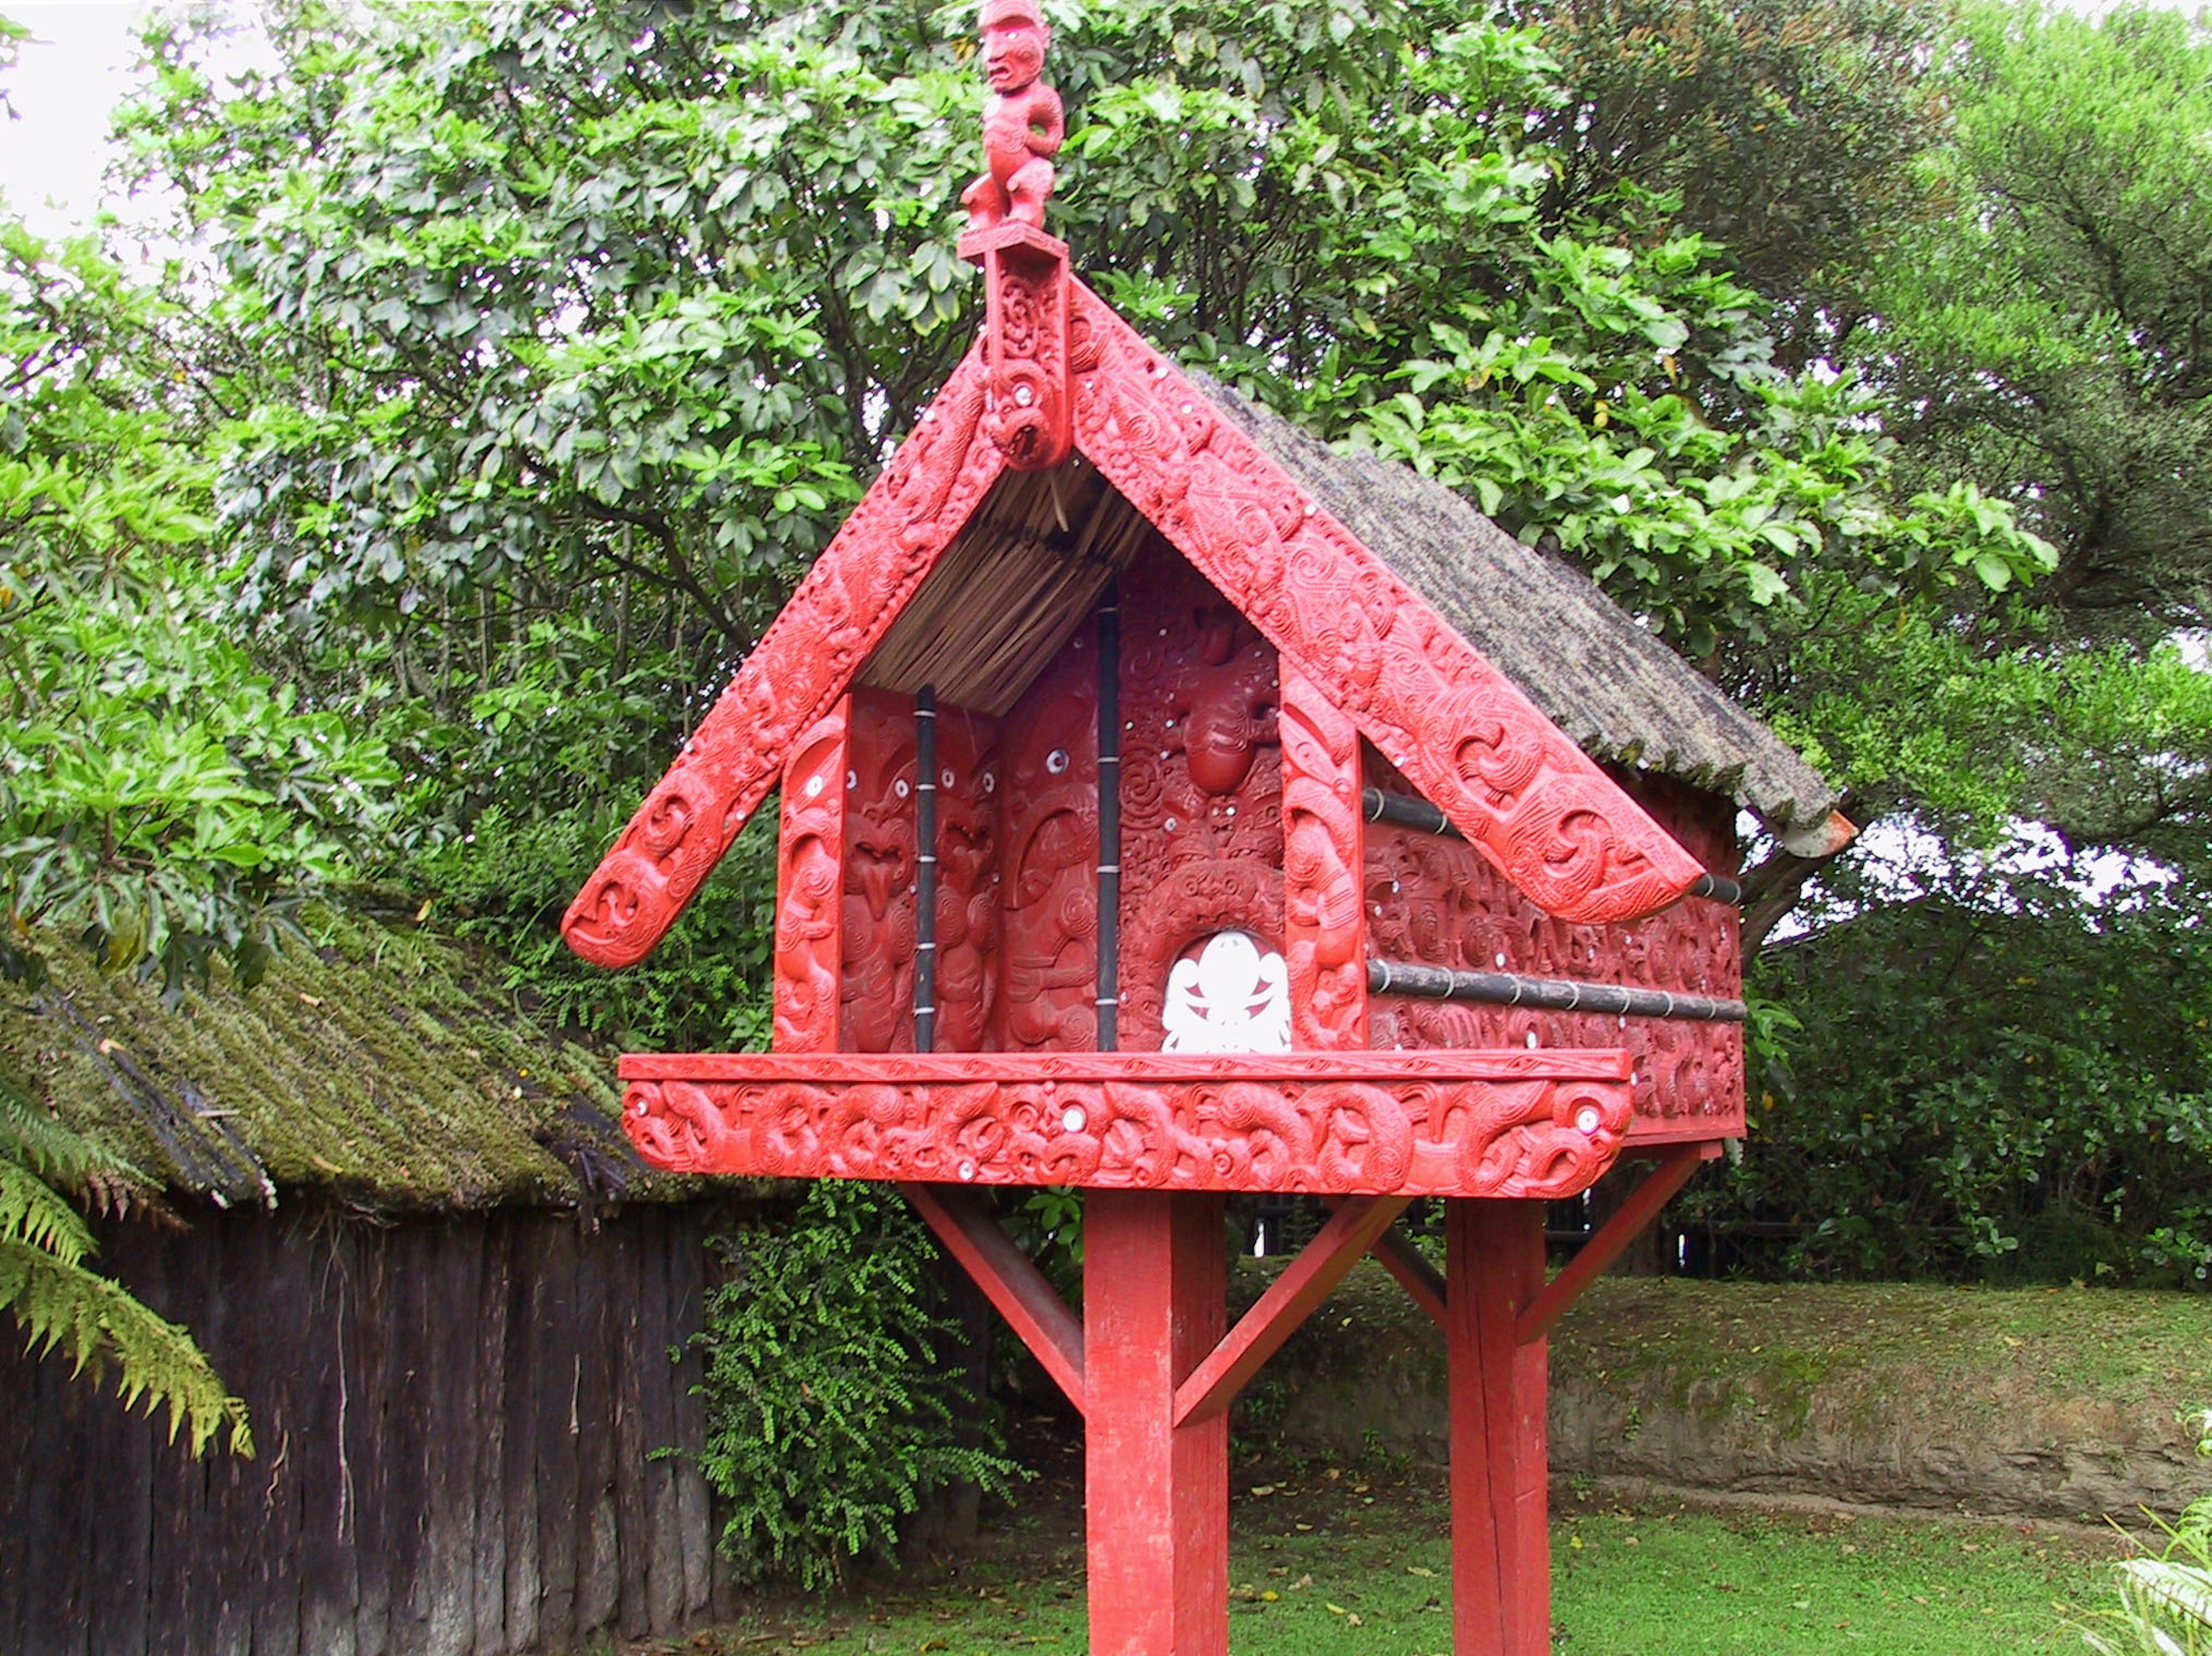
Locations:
(66, 80)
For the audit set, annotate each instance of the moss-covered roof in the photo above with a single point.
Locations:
(377, 1066)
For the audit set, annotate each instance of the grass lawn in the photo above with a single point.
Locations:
(1349, 1562)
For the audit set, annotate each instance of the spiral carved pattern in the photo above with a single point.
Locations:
(1495, 1125)
(1323, 926)
(809, 887)
(1436, 902)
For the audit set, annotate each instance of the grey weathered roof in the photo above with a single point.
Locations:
(1619, 691)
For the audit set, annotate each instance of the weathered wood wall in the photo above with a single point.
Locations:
(456, 1419)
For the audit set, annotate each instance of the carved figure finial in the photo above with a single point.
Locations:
(1022, 123)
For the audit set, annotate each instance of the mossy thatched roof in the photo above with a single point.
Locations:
(374, 1066)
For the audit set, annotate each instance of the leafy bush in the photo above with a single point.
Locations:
(829, 1411)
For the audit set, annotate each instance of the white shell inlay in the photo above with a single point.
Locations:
(1234, 997)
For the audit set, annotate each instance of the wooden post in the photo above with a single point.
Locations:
(1501, 1551)
(1155, 1280)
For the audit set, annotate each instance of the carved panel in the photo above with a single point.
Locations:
(809, 861)
(1201, 780)
(1434, 902)
(1049, 815)
(1537, 807)
(968, 883)
(800, 668)
(1025, 404)
(878, 943)
(1322, 869)
(1524, 1125)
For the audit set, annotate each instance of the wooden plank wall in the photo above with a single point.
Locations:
(456, 1421)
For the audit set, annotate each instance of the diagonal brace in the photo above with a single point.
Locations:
(1396, 1255)
(1672, 1172)
(1260, 1333)
(1009, 1278)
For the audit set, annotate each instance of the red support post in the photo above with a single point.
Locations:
(1501, 1549)
(1009, 1279)
(1155, 1286)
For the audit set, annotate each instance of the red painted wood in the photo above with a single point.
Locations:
(1420, 1279)
(1026, 290)
(1155, 1277)
(808, 886)
(1436, 901)
(1009, 1278)
(1201, 782)
(1290, 1298)
(1537, 1124)
(1501, 1551)
(1324, 860)
(1658, 1188)
(1047, 780)
(877, 945)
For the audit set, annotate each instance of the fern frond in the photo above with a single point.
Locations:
(95, 1320)
(34, 1215)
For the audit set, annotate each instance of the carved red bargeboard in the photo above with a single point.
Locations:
(1542, 1125)
(1539, 808)
(801, 665)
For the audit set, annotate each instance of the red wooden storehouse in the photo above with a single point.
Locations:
(1172, 806)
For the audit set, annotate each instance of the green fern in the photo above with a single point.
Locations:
(61, 1302)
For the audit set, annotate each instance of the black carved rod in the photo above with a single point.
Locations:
(1405, 810)
(924, 882)
(1545, 994)
(1110, 820)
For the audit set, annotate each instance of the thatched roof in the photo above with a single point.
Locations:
(1618, 691)
(376, 1067)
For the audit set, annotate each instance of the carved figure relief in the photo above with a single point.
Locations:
(803, 663)
(1023, 122)
(1490, 1124)
(808, 895)
(1048, 957)
(1201, 782)
(878, 944)
(1232, 996)
(1433, 900)
(1540, 809)
(968, 882)
(1323, 919)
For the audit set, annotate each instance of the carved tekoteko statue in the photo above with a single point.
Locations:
(1023, 124)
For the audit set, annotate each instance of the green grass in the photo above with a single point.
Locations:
(1354, 1565)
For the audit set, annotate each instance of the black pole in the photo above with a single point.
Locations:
(1406, 811)
(924, 884)
(1110, 820)
(1545, 994)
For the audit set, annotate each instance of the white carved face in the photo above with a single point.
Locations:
(1234, 997)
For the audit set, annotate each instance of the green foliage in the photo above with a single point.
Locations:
(159, 797)
(60, 1302)
(830, 1417)
(2165, 1602)
(2039, 1105)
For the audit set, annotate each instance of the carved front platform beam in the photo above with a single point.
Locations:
(1542, 1123)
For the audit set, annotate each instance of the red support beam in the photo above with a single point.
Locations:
(1659, 1187)
(1501, 1551)
(1290, 1298)
(1155, 1284)
(1009, 1279)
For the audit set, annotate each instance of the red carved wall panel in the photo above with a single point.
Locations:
(968, 886)
(798, 670)
(1201, 780)
(1472, 742)
(1514, 1123)
(878, 943)
(1324, 916)
(1434, 901)
(1048, 816)
(809, 863)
